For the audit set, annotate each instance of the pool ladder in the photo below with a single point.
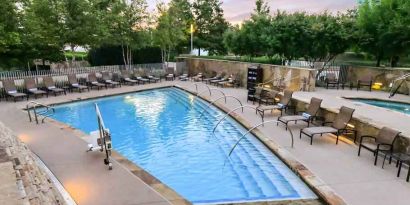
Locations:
(32, 107)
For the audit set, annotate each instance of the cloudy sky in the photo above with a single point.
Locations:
(238, 10)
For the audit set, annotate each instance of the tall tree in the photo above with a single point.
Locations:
(168, 33)
(210, 26)
(182, 10)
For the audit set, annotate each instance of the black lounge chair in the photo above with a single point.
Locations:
(337, 127)
(93, 82)
(153, 79)
(184, 77)
(255, 94)
(126, 78)
(216, 81)
(283, 104)
(217, 77)
(308, 116)
(108, 80)
(72, 79)
(383, 142)
(199, 77)
(11, 90)
(32, 88)
(268, 97)
(170, 76)
(51, 87)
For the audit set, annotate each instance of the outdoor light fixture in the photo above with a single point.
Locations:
(350, 125)
(377, 86)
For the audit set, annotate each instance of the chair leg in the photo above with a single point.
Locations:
(398, 172)
(311, 140)
(376, 156)
(408, 175)
(360, 148)
(384, 160)
(337, 138)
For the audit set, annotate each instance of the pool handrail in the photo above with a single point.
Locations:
(223, 97)
(253, 128)
(34, 107)
(230, 112)
(196, 88)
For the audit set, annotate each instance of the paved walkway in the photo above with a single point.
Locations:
(87, 180)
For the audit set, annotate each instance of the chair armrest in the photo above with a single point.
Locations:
(326, 123)
(367, 136)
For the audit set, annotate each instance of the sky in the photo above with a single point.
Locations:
(239, 10)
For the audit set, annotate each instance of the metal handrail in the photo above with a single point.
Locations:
(105, 138)
(253, 128)
(34, 108)
(213, 102)
(196, 88)
(230, 112)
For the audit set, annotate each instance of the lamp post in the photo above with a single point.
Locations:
(192, 38)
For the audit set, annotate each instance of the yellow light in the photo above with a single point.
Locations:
(25, 138)
(277, 99)
(377, 86)
(350, 126)
(192, 28)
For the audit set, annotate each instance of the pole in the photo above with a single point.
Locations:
(192, 38)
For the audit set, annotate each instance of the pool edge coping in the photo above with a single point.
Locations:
(324, 192)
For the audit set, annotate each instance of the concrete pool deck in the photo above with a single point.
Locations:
(85, 177)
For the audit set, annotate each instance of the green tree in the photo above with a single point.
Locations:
(168, 33)
(182, 10)
(210, 26)
(384, 30)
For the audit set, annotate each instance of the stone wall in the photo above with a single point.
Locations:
(22, 180)
(380, 75)
(293, 78)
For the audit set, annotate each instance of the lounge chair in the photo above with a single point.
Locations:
(108, 80)
(153, 79)
(51, 87)
(331, 80)
(283, 104)
(11, 90)
(126, 78)
(216, 77)
(383, 142)
(184, 77)
(198, 77)
(268, 97)
(93, 82)
(365, 81)
(402, 156)
(337, 127)
(33, 89)
(227, 82)
(72, 79)
(215, 82)
(308, 116)
(140, 79)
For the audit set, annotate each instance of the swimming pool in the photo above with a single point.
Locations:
(397, 106)
(162, 131)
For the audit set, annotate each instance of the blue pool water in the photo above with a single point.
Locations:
(400, 107)
(162, 131)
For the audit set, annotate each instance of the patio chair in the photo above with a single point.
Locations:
(230, 82)
(401, 156)
(383, 142)
(283, 104)
(365, 81)
(337, 127)
(126, 78)
(109, 81)
(308, 116)
(331, 80)
(255, 94)
(93, 82)
(72, 79)
(198, 77)
(170, 76)
(32, 88)
(11, 90)
(51, 87)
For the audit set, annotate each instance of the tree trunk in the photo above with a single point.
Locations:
(199, 51)
(394, 60)
(123, 55)
(72, 50)
(379, 59)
